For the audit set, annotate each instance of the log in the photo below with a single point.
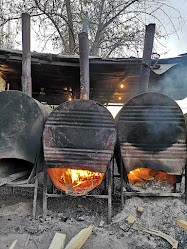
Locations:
(129, 221)
(58, 241)
(78, 241)
(13, 244)
(13, 177)
(170, 239)
(182, 223)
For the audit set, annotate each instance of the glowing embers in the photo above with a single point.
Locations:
(147, 178)
(75, 182)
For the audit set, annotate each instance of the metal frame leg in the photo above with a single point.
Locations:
(109, 193)
(13, 191)
(122, 183)
(45, 194)
(186, 183)
(35, 191)
(113, 175)
(105, 185)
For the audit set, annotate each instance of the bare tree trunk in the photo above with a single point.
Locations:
(70, 27)
(95, 47)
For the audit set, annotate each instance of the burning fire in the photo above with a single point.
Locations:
(141, 176)
(75, 182)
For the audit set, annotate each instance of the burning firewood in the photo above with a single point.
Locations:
(141, 176)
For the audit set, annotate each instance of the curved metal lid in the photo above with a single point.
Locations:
(80, 134)
(21, 125)
(151, 130)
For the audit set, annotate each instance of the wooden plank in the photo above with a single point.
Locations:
(58, 241)
(13, 244)
(78, 241)
(182, 223)
(140, 209)
(131, 219)
(2, 84)
(170, 239)
(13, 177)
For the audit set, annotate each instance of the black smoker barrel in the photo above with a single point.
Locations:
(79, 135)
(21, 126)
(151, 133)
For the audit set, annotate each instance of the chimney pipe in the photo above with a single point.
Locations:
(84, 66)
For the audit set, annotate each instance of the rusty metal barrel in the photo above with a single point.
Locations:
(79, 135)
(21, 127)
(151, 133)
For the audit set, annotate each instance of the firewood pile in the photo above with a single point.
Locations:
(59, 240)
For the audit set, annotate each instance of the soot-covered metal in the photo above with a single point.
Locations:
(21, 126)
(151, 130)
(79, 134)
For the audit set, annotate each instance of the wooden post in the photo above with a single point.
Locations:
(26, 56)
(84, 66)
(146, 60)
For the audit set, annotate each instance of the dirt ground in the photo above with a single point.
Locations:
(159, 213)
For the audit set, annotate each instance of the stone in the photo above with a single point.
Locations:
(101, 224)
(63, 218)
(48, 219)
(81, 218)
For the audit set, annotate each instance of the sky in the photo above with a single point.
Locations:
(177, 45)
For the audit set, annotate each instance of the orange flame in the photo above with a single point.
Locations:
(75, 182)
(141, 175)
